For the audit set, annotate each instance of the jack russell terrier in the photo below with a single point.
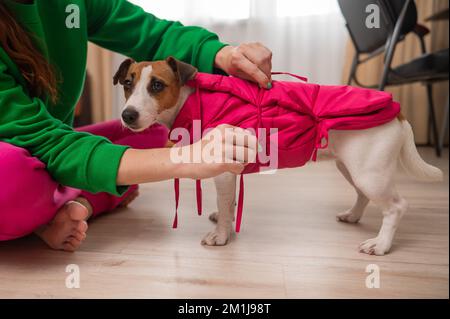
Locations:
(363, 130)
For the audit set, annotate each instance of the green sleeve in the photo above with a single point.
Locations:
(125, 28)
(75, 159)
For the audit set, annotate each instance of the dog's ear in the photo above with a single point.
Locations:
(122, 72)
(184, 71)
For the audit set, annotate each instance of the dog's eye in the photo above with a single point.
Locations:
(157, 86)
(127, 84)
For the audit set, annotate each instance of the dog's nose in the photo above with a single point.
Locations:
(130, 115)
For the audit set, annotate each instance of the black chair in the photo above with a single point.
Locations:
(397, 19)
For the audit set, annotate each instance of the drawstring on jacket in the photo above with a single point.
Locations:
(198, 183)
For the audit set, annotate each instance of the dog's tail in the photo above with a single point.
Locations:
(411, 160)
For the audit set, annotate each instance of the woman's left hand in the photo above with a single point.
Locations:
(252, 61)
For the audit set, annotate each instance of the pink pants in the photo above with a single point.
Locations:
(30, 198)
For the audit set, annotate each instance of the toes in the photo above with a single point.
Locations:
(369, 251)
(73, 242)
(209, 239)
(367, 246)
(68, 229)
(205, 239)
(347, 217)
(81, 227)
(77, 211)
(79, 236)
(373, 247)
(215, 239)
(69, 247)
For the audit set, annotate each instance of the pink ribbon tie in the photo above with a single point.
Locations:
(176, 186)
(198, 192)
(240, 205)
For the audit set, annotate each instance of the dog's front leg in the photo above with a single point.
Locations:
(226, 199)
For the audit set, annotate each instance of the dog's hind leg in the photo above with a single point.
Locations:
(354, 214)
(393, 207)
(226, 199)
(379, 187)
(371, 157)
(374, 177)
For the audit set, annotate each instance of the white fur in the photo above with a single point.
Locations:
(413, 163)
(143, 102)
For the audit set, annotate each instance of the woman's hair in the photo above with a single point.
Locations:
(19, 46)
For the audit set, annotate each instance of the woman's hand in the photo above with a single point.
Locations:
(223, 149)
(251, 61)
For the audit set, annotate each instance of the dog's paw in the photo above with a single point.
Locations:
(216, 238)
(375, 246)
(214, 217)
(348, 217)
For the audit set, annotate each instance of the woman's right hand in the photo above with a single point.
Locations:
(224, 149)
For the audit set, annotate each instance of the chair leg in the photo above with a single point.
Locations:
(353, 69)
(435, 132)
(444, 129)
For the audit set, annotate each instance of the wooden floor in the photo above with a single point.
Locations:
(290, 246)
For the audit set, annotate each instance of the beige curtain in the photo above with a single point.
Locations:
(99, 67)
(412, 97)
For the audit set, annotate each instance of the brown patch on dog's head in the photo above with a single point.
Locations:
(184, 71)
(166, 81)
(127, 75)
(121, 73)
(164, 86)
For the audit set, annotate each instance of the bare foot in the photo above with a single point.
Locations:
(131, 197)
(68, 229)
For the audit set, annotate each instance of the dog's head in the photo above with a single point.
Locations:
(150, 89)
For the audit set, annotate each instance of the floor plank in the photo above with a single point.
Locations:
(290, 246)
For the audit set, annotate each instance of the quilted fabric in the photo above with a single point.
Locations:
(302, 113)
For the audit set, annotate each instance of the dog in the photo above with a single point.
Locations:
(155, 92)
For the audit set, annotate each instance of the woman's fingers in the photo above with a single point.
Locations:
(250, 71)
(227, 144)
(241, 146)
(260, 56)
(241, 137)
(241, 154)
(224, 149)
(252, 61)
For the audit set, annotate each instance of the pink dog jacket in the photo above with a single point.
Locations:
(302, 113)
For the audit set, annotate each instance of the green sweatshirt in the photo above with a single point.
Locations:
(77, 159)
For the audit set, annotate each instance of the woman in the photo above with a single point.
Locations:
(55, 178)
